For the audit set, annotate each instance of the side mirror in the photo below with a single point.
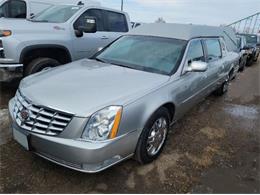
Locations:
(32, 15)
(197, 66)
(90, 25)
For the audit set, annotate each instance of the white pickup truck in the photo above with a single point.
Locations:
(57, 36)
(28, 8)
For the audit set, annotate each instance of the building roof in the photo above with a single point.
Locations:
(187, 32)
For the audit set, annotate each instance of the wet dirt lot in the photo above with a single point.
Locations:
(215, 148)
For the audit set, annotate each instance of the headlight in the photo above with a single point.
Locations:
(5, 33)
(103, 124)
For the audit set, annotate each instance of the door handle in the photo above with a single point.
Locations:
(104, 37)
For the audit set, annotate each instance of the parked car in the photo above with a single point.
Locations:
(135, 24)
(94, 113)
(253, 45)
(56, 37)
(28, 8)
(243, 51)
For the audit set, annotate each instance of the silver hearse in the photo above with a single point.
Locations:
(94, 113)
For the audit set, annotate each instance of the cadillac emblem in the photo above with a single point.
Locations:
(25, 115)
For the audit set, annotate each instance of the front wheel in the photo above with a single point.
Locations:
(40, 64)
(153, 137)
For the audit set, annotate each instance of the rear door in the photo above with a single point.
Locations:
(215, 61)
(116, 25)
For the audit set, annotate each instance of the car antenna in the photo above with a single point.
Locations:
(80, 3)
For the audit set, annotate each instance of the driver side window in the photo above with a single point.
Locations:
(96, 13)
(195, 52)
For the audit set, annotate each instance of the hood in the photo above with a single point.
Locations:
(24, 26)
(86, 86)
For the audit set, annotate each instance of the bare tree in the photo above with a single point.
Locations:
(160, 20)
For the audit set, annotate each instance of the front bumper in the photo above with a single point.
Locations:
(89, 157)
(10, 71)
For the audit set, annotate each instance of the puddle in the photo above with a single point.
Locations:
(247, 112)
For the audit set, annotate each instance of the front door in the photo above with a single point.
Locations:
(87, 45)
(192, 83)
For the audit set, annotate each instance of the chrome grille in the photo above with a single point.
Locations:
(40, 119)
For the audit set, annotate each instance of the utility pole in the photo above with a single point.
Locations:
(122, 5)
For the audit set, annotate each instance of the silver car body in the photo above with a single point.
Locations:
(76, 91)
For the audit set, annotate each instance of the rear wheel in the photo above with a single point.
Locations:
(153, 137)
(40, 64)
(222, 89)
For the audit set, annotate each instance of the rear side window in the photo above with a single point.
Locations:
(96, 13)
(195, 52)
(213, 49)
(116, 22)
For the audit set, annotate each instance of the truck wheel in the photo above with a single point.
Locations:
(222, 89)
(153, 137)
(40, 64)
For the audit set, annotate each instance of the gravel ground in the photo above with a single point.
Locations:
(215, 148)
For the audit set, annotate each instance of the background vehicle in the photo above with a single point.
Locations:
(56, 36)
(253, 45)
(133, 90)
(136, 24)
(243, 51)
(28, 8)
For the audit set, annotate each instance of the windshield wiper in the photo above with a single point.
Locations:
(113, 63)
(100, 60)
(33, 20)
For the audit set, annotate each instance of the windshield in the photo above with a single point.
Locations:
(251, 39)
(151, 54)
(57, 14)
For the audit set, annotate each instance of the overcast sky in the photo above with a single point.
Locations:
(211, 12)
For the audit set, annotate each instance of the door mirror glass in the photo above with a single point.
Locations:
(197, 66)
(90, 25)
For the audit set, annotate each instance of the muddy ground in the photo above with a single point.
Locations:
(215, 148)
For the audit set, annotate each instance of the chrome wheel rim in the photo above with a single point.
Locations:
(225, 87)
(156, 136)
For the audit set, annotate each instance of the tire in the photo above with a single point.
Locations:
(256, 58)
(250, 61)
(222, 89)
(39, 64)
(243, 64)
(232, 75)
(141, 154)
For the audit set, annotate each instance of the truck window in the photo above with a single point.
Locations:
(195, 52)
(3, 10)
(57, 14)
(116, 22)
(213, 49)
(96, 13)
(16, 9)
